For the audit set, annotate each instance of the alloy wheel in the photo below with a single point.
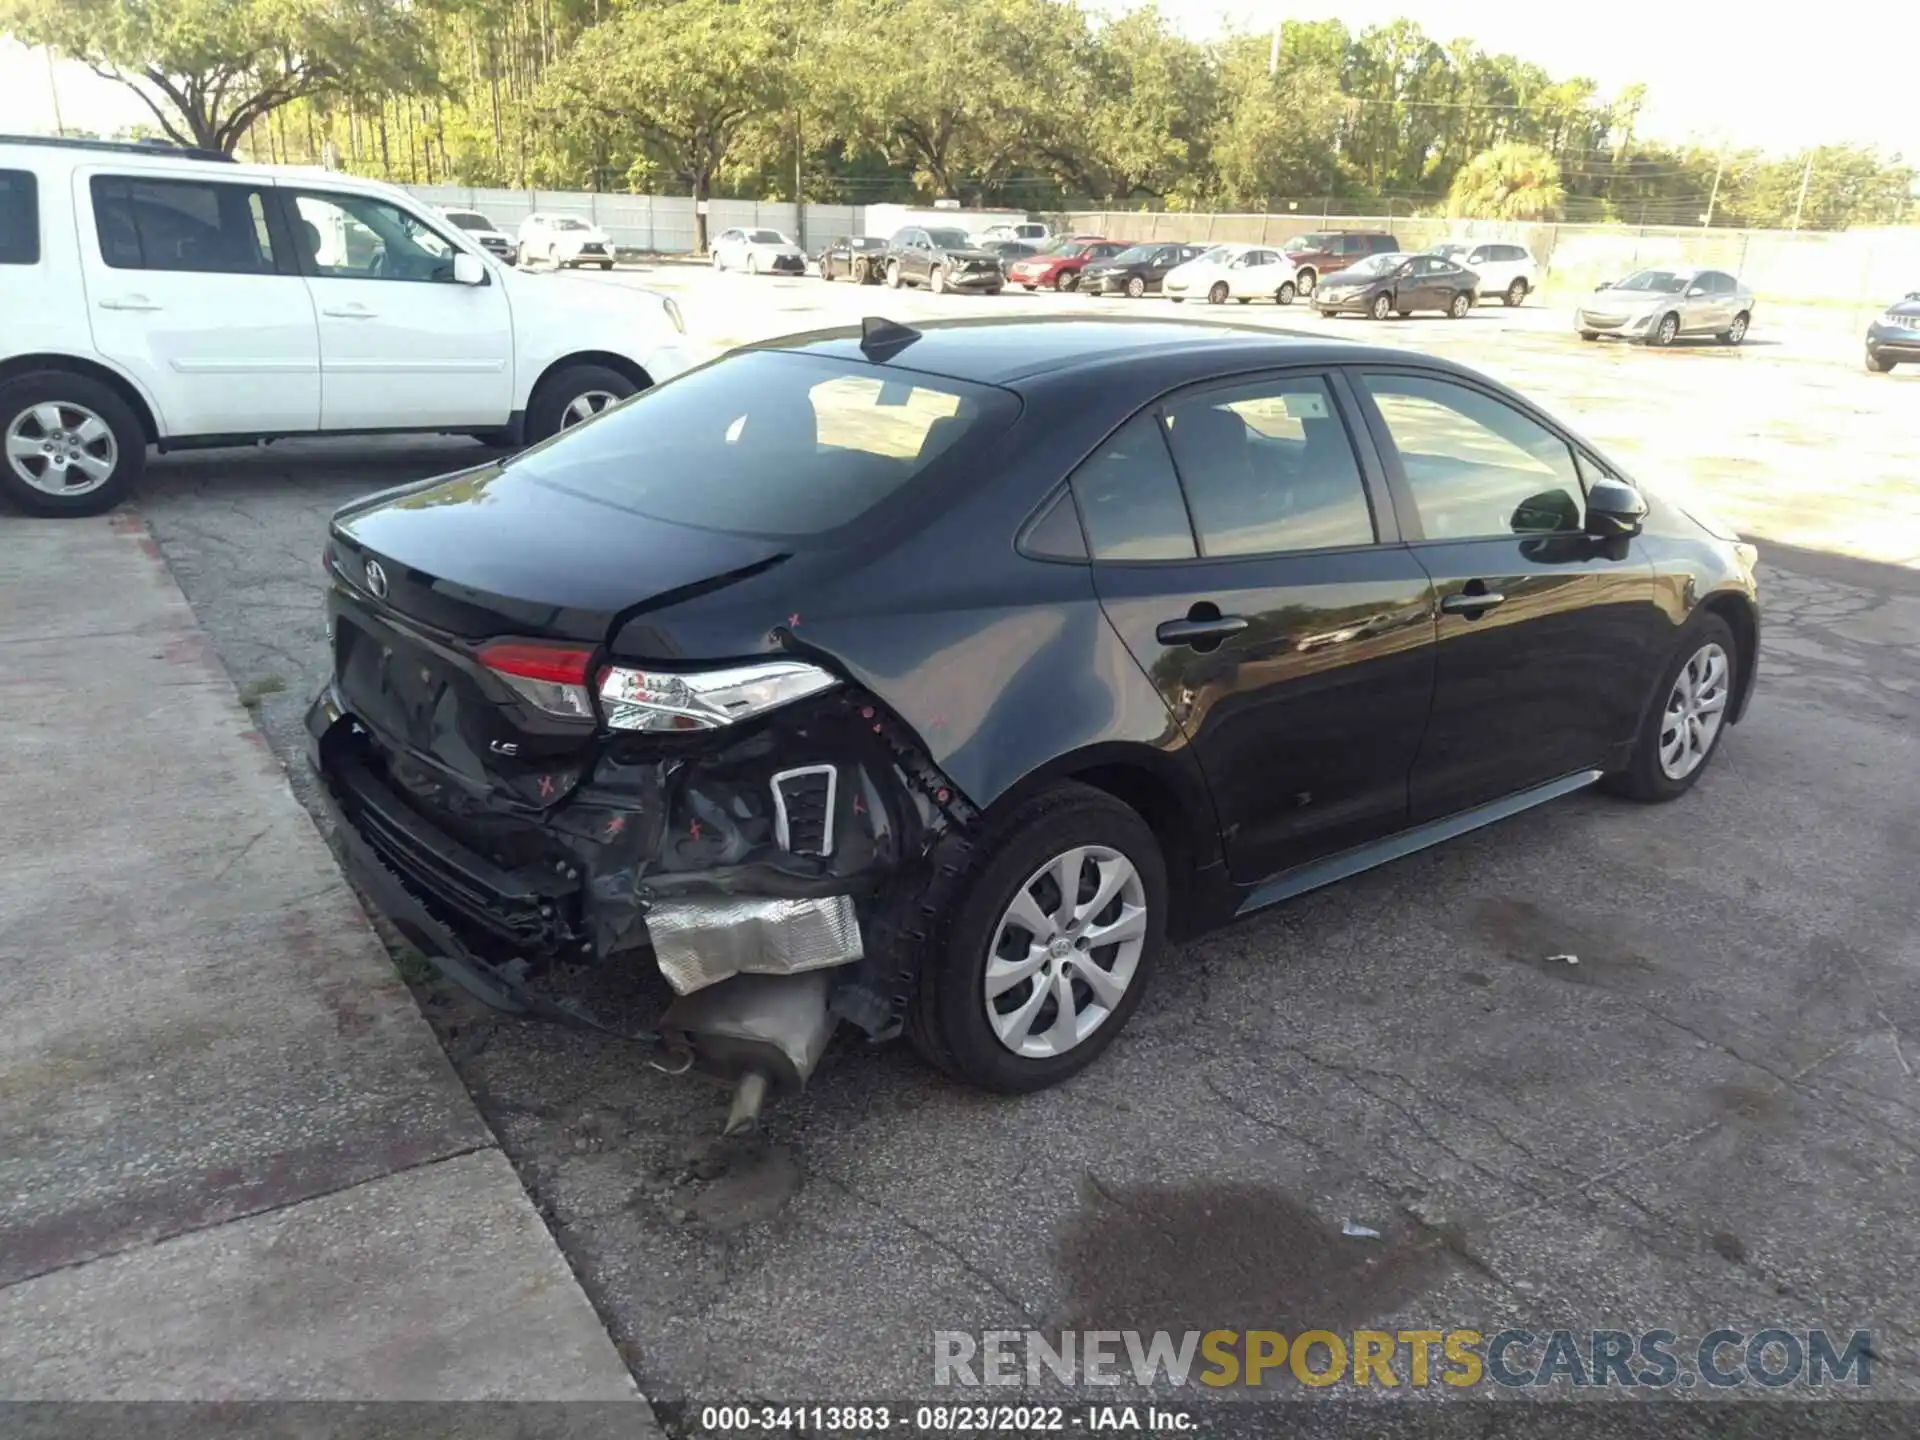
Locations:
(1668, 329)
(1381, 306)
(1065, 951)
(1696, 706)
(1217, 295)
(1738, 330)
(585, 406)
(60, 448)
(1136, 288)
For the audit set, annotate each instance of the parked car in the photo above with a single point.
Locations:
(860, 258)
(1008, 251)
(1390, 284)
(1030, 232)
(1238, 272)
(941, 259)
(492, 238)
(1058, 266)
(1657, 307)
(1316, 254)
(563, 241)
(757, 252)
(927, 677)
(1895, 336)
(1135, 271)
(1509, 271)
(178, 299)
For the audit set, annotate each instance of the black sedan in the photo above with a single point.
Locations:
(925, 679)
(859, 258)
(1008, 251)
(1137, 270)
(1894, 337)
(1395, 284)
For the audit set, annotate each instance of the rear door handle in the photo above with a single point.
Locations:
(128, 302)
(1466, 603)
(1186, 632)
(349, 312)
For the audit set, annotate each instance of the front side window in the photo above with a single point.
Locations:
(356, 237)
(1129, 497)
(181, 225)
(1477, 467)
(1268, 467)
(766, 443)
(19, 218)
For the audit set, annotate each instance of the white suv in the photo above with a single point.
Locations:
(563, 240)
(1508, 271)
(153, 296)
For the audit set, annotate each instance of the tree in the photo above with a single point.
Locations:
(1274, 133)
(1509, 182)
(674, 88)
(1135, 118)
(210, 69)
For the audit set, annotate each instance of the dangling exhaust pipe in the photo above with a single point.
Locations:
(761, 1034)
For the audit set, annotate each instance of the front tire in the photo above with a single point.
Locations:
(937, 280)
(893, 275)
(1068, 283)
(1382, 307)
(69, 445)
(1305, 281)
(1136, 288)
(1217, 293)
(1001, 1005)
(1686, 718)
(1665, 333)
(1284, 295)
(575, 394)
(1877, 366)
(1589, 334)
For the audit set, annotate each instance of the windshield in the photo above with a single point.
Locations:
(567, 222)
(1658, 282)
(769, 443)
(1065, 247)
(1374, 265)
(1448, 250)
(1308, 242)
(868, 242)
(1136, 254)
(470, 220)
(766, 237)
(949, 239)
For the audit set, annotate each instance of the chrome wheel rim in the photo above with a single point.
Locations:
(1696, 706)
(1065, 951)
(1669, 328)
(60, 448)
(585, 407)
(1380, 308)
(1739, 331)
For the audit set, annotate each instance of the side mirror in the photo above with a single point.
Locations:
(468, 269)
(1693, 290)
(1603, 285)
(1615, 510)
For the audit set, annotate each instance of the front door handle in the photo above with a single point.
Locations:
(349, 312)
(128, 302)
(1191, 630)
(1471, 603)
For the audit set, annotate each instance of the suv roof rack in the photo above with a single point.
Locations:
(121, 147)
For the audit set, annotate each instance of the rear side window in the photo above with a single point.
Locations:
(770, 443)
(1130, 498)
(1268, 467)
(181, 225)
(19, 219)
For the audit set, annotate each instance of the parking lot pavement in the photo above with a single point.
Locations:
(1710, 1120)
(234, 1163)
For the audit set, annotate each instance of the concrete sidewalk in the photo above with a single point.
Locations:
(234, 1163)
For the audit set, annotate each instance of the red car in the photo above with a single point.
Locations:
(1058, 266)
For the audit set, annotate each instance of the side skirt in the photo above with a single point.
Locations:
(1317, 873)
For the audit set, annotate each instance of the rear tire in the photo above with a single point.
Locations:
(948, 1020)
(90, 422)
(1736, 332)
(557, 404)
(1458, 307)
(1516, 295)
(1645, 779)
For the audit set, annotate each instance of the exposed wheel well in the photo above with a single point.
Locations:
(619, 364)
(34, 364)
(1746, 637)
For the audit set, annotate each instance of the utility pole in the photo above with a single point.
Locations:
(53, 89)
(1273, 55)
(1806, 179)
(1719, 166)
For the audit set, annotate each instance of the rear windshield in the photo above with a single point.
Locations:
(770, 443)
(766, 237)
(469, 220)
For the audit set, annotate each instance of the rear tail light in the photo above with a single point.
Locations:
(552, 678)
(704, 699)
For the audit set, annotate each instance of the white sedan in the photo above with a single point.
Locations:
(563, 240)
(1239, 272)
(757, 252)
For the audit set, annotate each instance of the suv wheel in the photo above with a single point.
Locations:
(1306, 280)
(937, 280)
(1877, 366)
(1043, 954)
(577, 393)
(1686, 717)
(69, 445)
(1516, 295)
(894, 276)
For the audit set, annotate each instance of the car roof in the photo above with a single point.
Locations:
(44, 153)
(998, 351)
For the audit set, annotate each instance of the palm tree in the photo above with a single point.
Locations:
(1509, 182)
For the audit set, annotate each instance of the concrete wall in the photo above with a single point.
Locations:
(661, 223)
(1870, 267)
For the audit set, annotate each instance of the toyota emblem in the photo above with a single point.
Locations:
(376, 580)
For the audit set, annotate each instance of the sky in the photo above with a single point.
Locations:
(1714, 72)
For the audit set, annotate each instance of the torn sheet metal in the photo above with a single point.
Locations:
(703, 940)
